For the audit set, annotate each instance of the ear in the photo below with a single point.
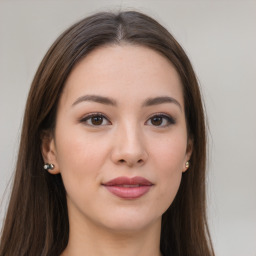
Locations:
(188, 153)
(48, 150)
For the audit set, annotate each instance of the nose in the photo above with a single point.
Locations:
(129, 147)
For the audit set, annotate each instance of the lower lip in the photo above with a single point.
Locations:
(128, 192)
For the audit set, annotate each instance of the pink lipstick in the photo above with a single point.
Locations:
(128, 188)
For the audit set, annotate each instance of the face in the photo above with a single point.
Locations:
(120, 142)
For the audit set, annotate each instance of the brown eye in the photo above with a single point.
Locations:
(161, 120)
(157, 120)
(95, 120)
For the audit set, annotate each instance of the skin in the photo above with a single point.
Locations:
(129, 142)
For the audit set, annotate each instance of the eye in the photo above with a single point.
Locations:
(96, 119)
(161, 120)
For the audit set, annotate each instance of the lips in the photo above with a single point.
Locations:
(128, 188)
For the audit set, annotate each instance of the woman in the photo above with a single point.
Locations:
(113, 147)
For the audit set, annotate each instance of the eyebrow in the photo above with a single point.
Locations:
(96, 98)
(109, 101)
(161, 100)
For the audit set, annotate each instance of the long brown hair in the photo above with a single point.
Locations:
(37, 222)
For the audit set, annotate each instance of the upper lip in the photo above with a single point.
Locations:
(128, 181)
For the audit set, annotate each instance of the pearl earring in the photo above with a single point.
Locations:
(48, 166)
(187, 164)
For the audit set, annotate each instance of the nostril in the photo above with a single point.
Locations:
(130, 161)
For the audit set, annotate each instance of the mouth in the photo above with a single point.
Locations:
(128, 188)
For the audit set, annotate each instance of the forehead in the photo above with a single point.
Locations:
(124, 71)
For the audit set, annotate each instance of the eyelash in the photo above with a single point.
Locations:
(170, 120)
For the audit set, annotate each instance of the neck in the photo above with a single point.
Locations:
(90, 240)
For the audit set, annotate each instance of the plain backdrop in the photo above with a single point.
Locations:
(219, 38)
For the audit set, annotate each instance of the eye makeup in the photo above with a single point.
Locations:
(160, 120)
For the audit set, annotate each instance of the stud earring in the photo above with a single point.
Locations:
(187, 164)
(48, 166)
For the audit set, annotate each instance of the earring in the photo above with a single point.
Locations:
(48, 166)
(187, 164)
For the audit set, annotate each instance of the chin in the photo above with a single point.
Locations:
(129, 223)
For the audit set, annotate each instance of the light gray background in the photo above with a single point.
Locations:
(220, 39)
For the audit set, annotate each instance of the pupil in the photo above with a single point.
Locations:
(97, 120)
(157, 121)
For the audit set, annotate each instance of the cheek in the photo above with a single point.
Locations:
(76, 157)
(81, 158)
(169, 157)
(80, 163)
(169, 182)
(170, 152)
(75, 148)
